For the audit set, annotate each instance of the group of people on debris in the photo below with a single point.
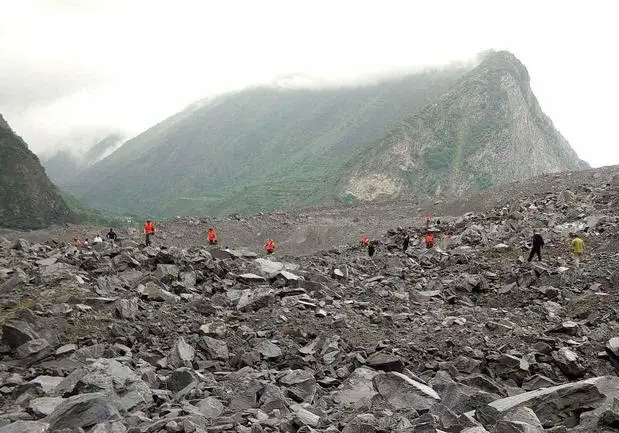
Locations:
(537, 242)
(211, 236)
(110, 236)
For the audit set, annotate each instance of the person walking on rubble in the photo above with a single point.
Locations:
(371, 248)
(536, 248)
(578, 248)
(212, 236)
(270, 246)
(149, 230)
(405, 241)
(429, 239)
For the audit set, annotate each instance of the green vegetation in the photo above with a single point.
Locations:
(270, 148)
(28, 200)
(88, 216)
(255, 150)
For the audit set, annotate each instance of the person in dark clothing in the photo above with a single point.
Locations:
(405, 242)
(111, 235)
(536, 248)
(371, 248)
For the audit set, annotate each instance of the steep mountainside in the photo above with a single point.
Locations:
(488, 129)
(64, 166)
(254, 150)
(27, 197)
(269, 148)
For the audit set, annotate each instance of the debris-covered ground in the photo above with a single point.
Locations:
(465, 337)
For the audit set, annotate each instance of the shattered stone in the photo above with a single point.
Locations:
(216, 349)
(83, 410)
(385, 362)
(25, 427)
(403, 392)
(210, 407)
(17, 332)
(267, 349)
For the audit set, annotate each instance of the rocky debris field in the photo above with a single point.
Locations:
(312, 230)
(466, 337)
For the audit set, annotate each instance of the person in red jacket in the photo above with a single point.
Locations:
(212, 237)
(270, 246)
(429, 238)
(149, 230)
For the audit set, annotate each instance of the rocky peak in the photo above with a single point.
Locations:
(485, 130)
(3, 123)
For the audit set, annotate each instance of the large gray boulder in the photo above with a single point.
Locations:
(402, 392)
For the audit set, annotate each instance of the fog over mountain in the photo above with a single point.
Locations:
(82, 65)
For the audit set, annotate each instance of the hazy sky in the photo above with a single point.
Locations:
(73, 66)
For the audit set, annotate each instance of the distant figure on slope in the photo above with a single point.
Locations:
(429, 240)
(77, 243)
(212, 237)
(405, 241)
(578, 248)
(536, 248)
(270, 247)
(97, 240)
(371, 248)
(149, 230)
(111, 235)
(85, 242)
(365, 241)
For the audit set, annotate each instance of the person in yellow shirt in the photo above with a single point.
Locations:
(578, 248)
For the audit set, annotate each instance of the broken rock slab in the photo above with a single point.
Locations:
(182, 354)
(555, 404)
(358, 386)
(402, 392)
(44, 406)
(17, 332)
(83, 410)
(269, 268)
(268, 349)
(385, 362)
(25, 427)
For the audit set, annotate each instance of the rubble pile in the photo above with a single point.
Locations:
(465, 337)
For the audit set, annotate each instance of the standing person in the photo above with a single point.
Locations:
(371, 248)
(429, 239)
(77, 243)
(149, 230)
(405, 241)
(578, 247)
(270, 246)
(212, 237)
(111, 235)
(536, 248)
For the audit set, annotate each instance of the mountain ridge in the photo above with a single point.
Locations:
(489, 123)
(269, 148)
(283, 137)
(28, 199)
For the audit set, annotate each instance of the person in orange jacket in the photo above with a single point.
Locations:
(429, 238)
(212, 237)
(149, 230)
(270, 246)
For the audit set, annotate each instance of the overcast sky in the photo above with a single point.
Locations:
(93, 65)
